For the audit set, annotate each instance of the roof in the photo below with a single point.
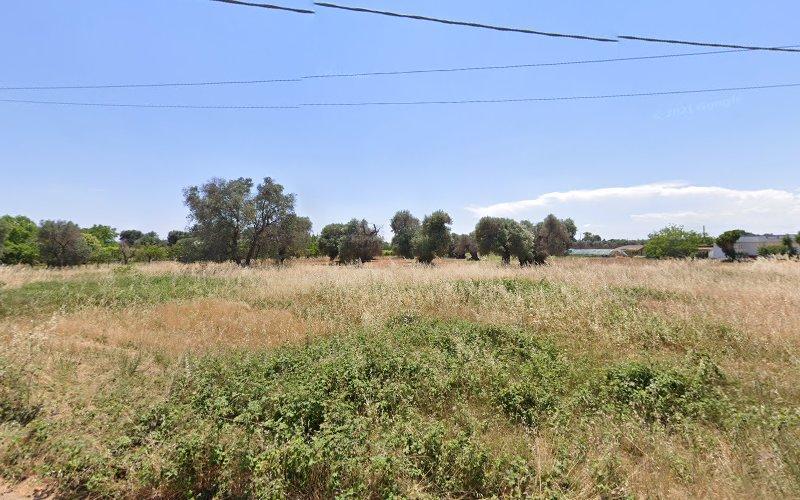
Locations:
(630, 248)
(592, 252)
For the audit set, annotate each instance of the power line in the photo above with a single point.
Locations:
(409, 103)
(266, 6)
(462, 23)
(152, 85)
(378, 73)
(528, 65)
(551, 99)
(152, 106)
(706, 44)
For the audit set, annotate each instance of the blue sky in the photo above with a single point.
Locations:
(719, 160)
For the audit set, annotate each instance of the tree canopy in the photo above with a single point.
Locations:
(433, 237)
(61, 244)
(21, 241)
(230, 220)
(404, 226)
(673, 242)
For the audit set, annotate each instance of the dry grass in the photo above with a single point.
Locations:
(746, 316)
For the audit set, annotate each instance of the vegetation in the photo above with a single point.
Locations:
(21, 240)
(404, 226)
(727, 242)
(467, 379)
(359, 242)
(674, 242)
(433, 237)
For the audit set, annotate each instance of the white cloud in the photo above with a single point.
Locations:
(629, 209)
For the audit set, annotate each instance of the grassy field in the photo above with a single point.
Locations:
(583, 378)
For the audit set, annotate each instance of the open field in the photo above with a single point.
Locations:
(583, 378)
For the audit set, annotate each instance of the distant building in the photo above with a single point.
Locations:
(596, 252)
(749, 244)
(631, 250)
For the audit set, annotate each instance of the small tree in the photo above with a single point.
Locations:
(329, 239)
(727, 242)
(673, 242)
(149, 253)
(405, 227)
(62, 244)
(360, 242)
(433, 238)
(4, 230)
(788, 242)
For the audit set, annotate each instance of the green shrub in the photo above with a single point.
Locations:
(667, 396)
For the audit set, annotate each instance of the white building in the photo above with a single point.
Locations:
(749, 245)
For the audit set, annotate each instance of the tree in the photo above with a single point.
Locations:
(21, 241)
(130, 236)
(175, 235)
(727, 242)
(329, 240)
(149, 252)
(571, 228)
(591, 238)
(553, 236)
(62, 244)
(230, 220)
(463, 244)
(673, 242)
(788, 242)
(493, 236)
(433, 237)
(360, 242)
(4, 230)
(404, 226)
(102, 242)
(525, 245)
(288, 240)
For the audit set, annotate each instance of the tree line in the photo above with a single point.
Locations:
(243, 222)
(240, 221)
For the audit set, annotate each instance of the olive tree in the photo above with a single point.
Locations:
(230, 219)
(287, 240)
(463, 244)
(553, 236)
(404, 226)
(433, 237)
(329, 239)
(493, 236)
(61, 243)
(360, 242)
(673, 242)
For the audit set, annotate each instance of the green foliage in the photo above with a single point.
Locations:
(433, 238)
(313, 246)
(330, 238)
(668, 396)
(21, 242)
(553, 236)
(493, 235)
(175, 235)
(16, 403)
(231, 222)
(4, 230)
(359, 242)
(463, 244)
(404, 226)
(61, 243)
(150, 253)
(727, 242)
(288, 239)
(106, 235)
(570, 227)
(772, 250)
(187, 250)
(673, 242)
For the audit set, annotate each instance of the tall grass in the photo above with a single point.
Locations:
(582, 378)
